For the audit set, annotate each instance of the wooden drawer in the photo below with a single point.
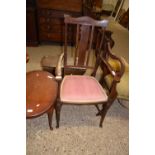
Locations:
(51, 24)
(51, 28)
(48, 20)
(55, 36)
(49, 13)
(48, 36)
(69, 5)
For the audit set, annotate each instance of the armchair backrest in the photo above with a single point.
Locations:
(84, 30)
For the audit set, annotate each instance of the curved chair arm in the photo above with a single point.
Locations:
(120, 59)
(115, 74)
(58, 69)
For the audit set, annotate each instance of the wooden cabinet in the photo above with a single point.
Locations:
(45, 19)
(51, 24)
(50, 17)
(31, 24)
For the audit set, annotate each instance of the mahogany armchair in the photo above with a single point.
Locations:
(49, 62)
(84, 89)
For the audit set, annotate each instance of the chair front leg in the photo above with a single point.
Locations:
(57, 110)
(104, 111)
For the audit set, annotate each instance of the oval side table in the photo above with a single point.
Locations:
(41, 94)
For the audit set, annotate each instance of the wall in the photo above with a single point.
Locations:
(126, 5)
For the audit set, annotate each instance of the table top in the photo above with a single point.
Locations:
(41, 92)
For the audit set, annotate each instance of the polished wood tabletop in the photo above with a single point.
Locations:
(41, 93)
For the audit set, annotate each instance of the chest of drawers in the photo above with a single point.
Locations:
(50, 17)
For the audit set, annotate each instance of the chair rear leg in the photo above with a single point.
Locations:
(57, 110)
(97, 107)
(100, 111)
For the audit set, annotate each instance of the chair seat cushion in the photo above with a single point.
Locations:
(81, 90)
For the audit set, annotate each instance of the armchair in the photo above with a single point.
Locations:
(84, 89)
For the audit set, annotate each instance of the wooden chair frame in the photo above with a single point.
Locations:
(103, 52)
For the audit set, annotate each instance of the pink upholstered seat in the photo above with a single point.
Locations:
(81, 89)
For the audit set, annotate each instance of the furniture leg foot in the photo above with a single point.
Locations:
(104, 111)
(100, 125)
(57, 110)
(50, 114)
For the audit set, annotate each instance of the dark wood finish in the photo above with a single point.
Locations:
(124, 21)
(107, 39)
(84, 40)
(67, 5)
(31, 24)
(49, 63)
(92, 8)
(95, 3)
(41, 93)
(51, 17)
(83, 47)
(98, 3)
(27, 58)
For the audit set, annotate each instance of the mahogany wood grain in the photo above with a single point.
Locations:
(41, 94)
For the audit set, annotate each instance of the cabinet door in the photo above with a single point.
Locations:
(31, 30)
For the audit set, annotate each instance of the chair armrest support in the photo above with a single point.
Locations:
(58, 69)
(115, 74)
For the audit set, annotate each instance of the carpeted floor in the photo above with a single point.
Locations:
(79, 132)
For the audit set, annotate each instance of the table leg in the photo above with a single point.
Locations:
(57, 110)
(50, 114)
